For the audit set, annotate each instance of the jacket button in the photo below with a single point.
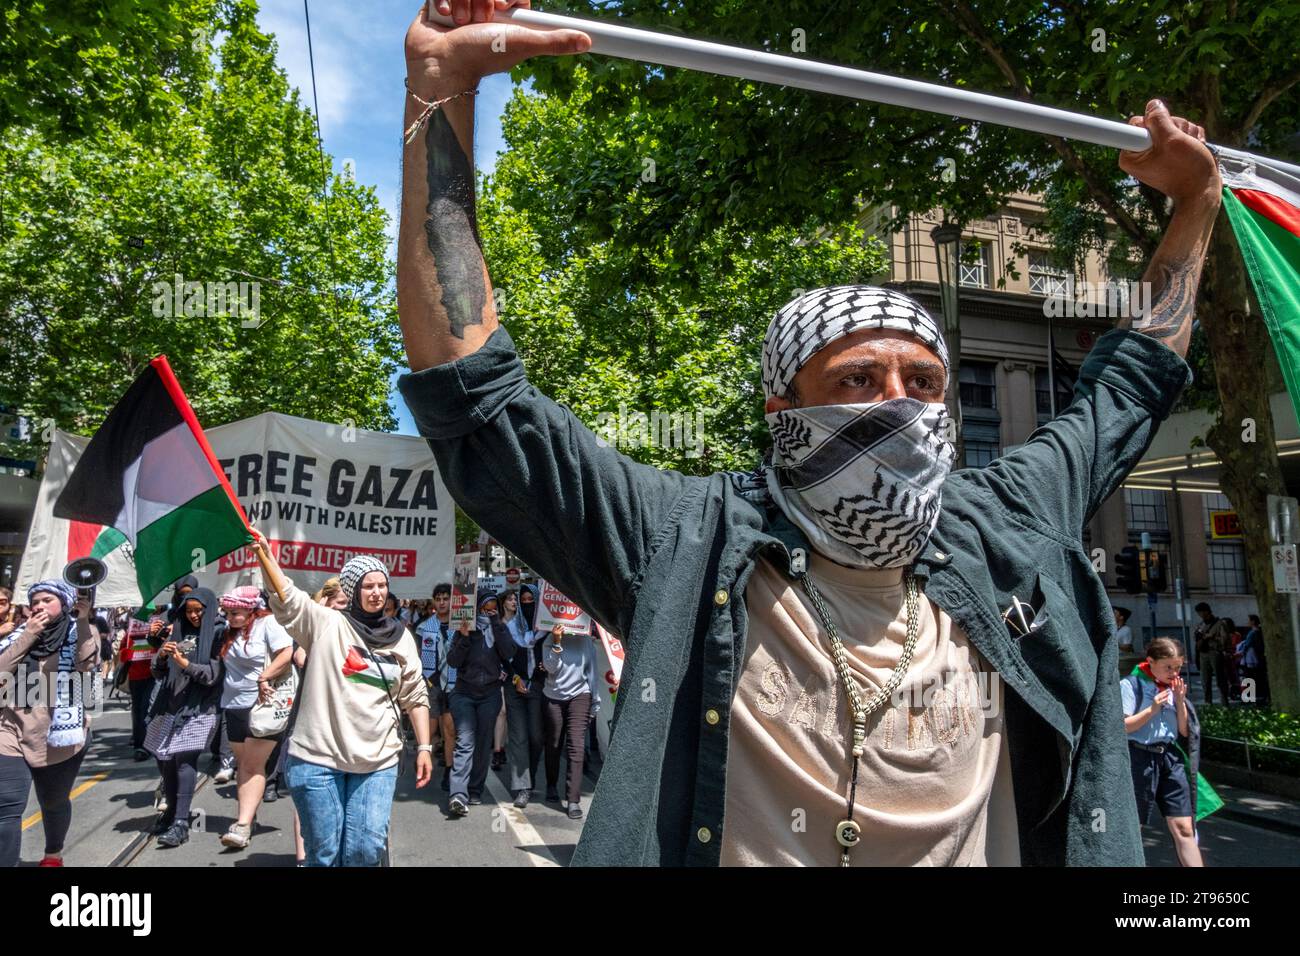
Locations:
(940, 556)
(703, 835)
(720, 598)
(712, 716)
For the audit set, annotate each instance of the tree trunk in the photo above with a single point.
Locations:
(1249, 470)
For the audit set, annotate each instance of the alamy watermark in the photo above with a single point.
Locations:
(974, 690)
(75, 909)
(660, 429)
(35, 687)
(182, 299)
(1086, 300)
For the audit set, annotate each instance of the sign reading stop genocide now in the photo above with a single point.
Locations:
(554, 608)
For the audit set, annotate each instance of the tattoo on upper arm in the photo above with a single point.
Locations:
(1170, 318)
(451, 229)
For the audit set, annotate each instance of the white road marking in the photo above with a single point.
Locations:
(531, 842)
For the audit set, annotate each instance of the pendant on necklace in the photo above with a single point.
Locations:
(847, 834)
(859, 733)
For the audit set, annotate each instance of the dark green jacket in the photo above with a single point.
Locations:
(662, 559)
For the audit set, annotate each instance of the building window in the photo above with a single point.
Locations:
(1046, 278)
(1146, 511)
(976, 274)
(977, 382)
(1227, 568)
(981, 440)
(1215, 502)
(1043, 393)
(980, 453)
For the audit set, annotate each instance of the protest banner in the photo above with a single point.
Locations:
(320, 493)
(609, 665)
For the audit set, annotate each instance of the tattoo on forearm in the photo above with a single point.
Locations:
(1170, 318)
(451, 229)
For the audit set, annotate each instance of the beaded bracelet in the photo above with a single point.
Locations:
(428, 109)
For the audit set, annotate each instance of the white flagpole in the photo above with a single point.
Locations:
(666, 50)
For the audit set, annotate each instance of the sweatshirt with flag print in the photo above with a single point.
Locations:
(346, 719)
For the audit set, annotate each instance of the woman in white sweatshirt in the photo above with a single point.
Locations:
(362, 669)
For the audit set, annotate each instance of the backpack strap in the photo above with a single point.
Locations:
(1137, 692)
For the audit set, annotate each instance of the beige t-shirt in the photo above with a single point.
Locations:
(934, 784)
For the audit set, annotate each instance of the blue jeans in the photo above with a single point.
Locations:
(344, 816)
(476, 721)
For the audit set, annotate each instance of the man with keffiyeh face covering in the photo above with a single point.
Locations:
(854, 378)
(852, 655)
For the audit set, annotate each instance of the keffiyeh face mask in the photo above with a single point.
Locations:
(861, 481)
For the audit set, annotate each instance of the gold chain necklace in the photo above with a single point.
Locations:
(847, 831)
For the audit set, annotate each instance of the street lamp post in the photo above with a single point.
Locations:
(947, 246)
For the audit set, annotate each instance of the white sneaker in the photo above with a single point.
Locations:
(224, 775)
(237, 836)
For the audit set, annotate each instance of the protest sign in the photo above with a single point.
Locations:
(464, 588)
(554, 608)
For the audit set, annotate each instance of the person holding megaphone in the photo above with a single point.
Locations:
(44, 743)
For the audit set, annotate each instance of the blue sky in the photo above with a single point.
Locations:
(359, 73)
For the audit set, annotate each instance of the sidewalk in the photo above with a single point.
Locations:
(1259, 809)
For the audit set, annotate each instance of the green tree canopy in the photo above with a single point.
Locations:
(224, 187)
(68, 66)
(668, 324)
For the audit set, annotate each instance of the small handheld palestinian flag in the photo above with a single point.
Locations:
(1263, 205)
(150, 474)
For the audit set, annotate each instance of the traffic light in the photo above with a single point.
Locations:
(1154, 572)
(1127, 572)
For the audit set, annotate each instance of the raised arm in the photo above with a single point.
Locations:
(296, 612)
(1129, 383)
(1179, 165)
(526, 469)
(444, 294)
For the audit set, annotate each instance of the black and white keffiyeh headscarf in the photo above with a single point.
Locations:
(861, 481)
(814, 320)
(372, 627)
(59, 636)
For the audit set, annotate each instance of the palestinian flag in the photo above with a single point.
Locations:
(1263, 205)
(93, 540)
(360, 669)
(150, 475)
